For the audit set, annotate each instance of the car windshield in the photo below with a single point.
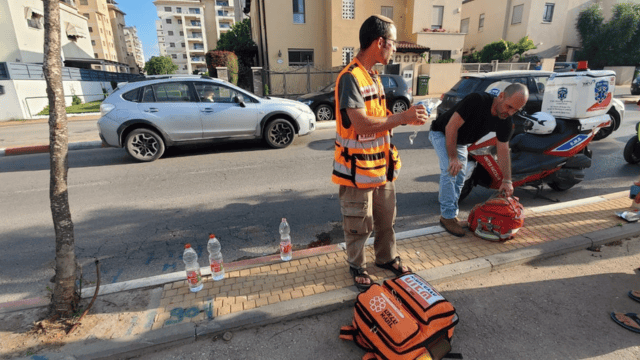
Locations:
(466, 85)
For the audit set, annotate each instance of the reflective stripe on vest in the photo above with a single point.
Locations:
(358, 162)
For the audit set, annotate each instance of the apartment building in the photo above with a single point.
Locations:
(187, 29)
(102, 36)
(116, 17)
(22, 27)
(550, 24)
(324, 33)
(134, 47)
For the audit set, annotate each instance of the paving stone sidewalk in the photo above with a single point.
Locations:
(248, 286)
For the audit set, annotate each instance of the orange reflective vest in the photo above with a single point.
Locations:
(363, 160)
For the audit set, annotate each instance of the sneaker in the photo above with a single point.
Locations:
(452, 226)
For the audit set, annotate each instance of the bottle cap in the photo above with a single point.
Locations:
(211, 236)
(187, 246)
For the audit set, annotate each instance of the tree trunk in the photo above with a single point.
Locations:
(65, 295)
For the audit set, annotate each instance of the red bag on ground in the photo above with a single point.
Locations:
(497, 219)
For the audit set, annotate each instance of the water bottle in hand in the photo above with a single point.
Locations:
(285, 241)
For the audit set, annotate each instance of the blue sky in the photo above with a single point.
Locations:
(142, 14)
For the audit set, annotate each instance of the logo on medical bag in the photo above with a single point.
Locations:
(562, 93)
(602, 90)
(377, 304)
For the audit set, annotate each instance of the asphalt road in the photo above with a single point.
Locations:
(136, 217)
(549, 309)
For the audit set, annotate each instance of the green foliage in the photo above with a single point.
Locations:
(443, 61)
(238, 40)
(614, 43)
(266, 89)
(500, 50)
(114, 84)
(217, 58)
(90, 107)
(160, 65)
(75, 100)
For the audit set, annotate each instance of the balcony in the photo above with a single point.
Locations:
(199, 49)
(194, 23)
(223, 4)
(226, 14)
(198, 59)
(195, 38)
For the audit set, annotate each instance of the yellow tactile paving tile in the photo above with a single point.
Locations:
(262, 285)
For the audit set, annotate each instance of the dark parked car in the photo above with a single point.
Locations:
(635, 86)
(535, 81)
(398, 94)
(565, 66)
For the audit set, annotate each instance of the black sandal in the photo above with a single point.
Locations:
(360, 273)
(398, 271)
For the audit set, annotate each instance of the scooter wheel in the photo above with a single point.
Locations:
(630, 153)
(560, 186)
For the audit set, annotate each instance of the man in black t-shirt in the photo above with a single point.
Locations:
(452, 132)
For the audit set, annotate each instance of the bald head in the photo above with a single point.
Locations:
(510, 101)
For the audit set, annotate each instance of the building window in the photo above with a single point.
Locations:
(298, 11)
(194, 11)
(179, 10)
(34, 19)
(93, 42)
(181, 33)
(184, 56)
(172, 44)
(86, 15)
(170, 33)
(347, 55)
(167, 8)
(168, 21)
(183, 45)
(464, 26)
(349, 9)
(516, 18)
(90, 29)
(175, 56)
(436, 17)
(95, 55)
(84, 2)
(300, 57)
(436, 55)
(481, 23)
(548, 12)
(179, 22)
(387, 11)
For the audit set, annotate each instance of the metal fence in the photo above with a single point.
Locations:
(299, 81)
(20, 71)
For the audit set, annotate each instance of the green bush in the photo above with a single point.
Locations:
(218, 58)
(75, 100)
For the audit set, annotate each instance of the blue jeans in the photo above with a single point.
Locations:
(450, 186)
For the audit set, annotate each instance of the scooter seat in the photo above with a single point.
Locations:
(533, 143)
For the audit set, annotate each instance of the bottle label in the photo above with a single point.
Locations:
(285, 247)
(216, 266)
(193, 277)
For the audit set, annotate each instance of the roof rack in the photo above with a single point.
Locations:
(169, 76)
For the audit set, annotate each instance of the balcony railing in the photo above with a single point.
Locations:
(225, 13)
(194, 11)
(225, 26)
(222, 3)
(196, 23)
(197, 58)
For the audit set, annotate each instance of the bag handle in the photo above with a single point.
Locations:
(501, 194)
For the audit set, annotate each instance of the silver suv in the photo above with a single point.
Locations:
(150, 114)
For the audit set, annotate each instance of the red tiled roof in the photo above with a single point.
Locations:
(405, 46)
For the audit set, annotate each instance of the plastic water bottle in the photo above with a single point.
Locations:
(285, 241)
(194, 277)
(215, 258)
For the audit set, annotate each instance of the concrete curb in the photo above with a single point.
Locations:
(37, 149)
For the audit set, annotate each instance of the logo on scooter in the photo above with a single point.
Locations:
(602, 90)
(562, 93)
(494, 91)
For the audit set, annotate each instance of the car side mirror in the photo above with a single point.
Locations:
(239, 100)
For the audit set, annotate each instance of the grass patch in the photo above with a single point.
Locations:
(89, 107)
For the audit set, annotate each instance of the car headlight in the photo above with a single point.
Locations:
(106, 108)
(306, 102)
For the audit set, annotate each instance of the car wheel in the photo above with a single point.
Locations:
(324, 112)
(144, 145)
(279, 134)
(606, 131)
(399, 106)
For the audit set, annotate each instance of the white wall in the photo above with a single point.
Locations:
(24, 99)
